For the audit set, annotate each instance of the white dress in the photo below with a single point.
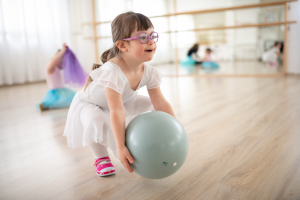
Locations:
(88, 119)
(271, 55)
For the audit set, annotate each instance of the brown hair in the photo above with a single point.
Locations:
(276, 43)
(208, 50)
(122, 27)
(195, 47)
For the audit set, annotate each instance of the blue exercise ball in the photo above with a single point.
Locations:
(158, 144)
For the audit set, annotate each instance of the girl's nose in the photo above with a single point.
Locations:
(150, 42)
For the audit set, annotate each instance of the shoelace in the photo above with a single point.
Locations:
(100, 162)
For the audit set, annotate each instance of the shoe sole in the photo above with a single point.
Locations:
(107, 174)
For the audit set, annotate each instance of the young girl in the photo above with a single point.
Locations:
(192, 57)
(100, 112)
(58, 96)
(207, 56)
(208, 62)
(273, 56)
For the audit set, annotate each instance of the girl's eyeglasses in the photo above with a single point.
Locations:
(144, 37)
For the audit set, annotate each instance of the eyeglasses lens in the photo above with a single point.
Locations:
(143, 38)
(154, 37)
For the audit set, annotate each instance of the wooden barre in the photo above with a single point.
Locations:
(224, 75)
(210, 10)
(225, 9)
(217, 28)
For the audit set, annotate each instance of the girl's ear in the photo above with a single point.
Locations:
(121, 45)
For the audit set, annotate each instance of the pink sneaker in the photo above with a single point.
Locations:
(104, 166)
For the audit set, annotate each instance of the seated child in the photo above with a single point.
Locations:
(273, 56)
(58, 96)
(207, 60)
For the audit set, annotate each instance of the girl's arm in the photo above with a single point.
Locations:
(159, 102)
(279, 54)
(117, 121)
(205, 58)
(195, 57)
(54, 61)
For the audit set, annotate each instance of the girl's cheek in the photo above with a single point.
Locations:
(139, 51)
(155, 46)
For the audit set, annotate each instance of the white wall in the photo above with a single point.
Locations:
(293, 43)
(31, 32)
(80, 12)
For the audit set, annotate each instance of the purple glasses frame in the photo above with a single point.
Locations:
(138, 37)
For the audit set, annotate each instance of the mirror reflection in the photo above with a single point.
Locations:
(223, 42)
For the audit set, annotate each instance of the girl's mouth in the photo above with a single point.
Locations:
(149, 50)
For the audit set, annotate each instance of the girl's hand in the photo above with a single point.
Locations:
(64, 46)
(125, 157)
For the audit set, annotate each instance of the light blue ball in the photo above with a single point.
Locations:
(211, 65)
(158, 144)
(189, 61)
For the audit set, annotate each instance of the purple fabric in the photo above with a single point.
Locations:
(74, 74)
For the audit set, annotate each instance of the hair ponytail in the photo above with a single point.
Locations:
(110, 53)
(89, 78)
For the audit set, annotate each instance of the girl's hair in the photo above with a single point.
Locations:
(122, 27)
(276, 43)
(195, 47)
(208, 50)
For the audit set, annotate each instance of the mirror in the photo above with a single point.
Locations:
(231, 42)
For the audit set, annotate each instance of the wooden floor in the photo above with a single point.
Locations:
(244, 136)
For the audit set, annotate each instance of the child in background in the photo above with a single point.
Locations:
(193, 53)
(58, 96)
(207, 56)
(208, 62)
(192, 57)
(273, 56)
(100, 112)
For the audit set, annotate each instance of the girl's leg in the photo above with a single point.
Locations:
(102, 162)
(99, 150)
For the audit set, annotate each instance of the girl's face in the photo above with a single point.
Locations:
(278, 45)
(141, 52)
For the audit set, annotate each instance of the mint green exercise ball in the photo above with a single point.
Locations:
(158, 144)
